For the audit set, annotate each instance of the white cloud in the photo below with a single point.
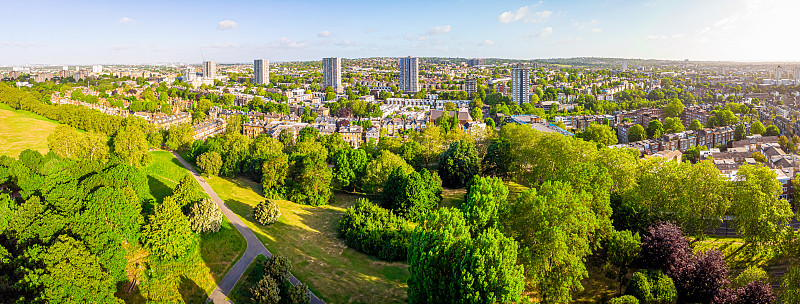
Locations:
(442, 29)
(324, 34)
(513, 16)
(592, 25)
(290, 44)
(17, 44)
(226, 25)
(655, 37)
(597, 30)
(124, 20)
(570, 40)
(539, 17)
(486, 43)
(221, 46)
(545, 32)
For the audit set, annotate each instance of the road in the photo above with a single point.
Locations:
(254, 245)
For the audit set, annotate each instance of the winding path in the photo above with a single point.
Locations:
(254, 245)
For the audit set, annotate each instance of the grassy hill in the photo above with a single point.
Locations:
(20, 130)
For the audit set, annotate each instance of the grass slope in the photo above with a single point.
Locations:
(192, 278)
(20, 130)
(307, 236)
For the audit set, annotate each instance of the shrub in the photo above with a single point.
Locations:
(373, 230)
(265, 291)
(751, 274)
(702, 277)
(652, 286)
(209, 163)
(267, 212)
(277, 267)
(755, 292)
(626, 299)
(204, 216)
(298, 294)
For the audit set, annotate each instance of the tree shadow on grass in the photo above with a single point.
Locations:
(134, 296)
(158, 189)
(189, 289)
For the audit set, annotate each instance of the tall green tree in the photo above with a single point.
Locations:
(655, 129)
(601, 134)
(761, 216)
(484, 198)
(348, 166)
(131, 146)
(411, 195)
(696, 125)
(275, 169)
(459, 164)
(757, 128)
(168, 233)
(553, 226)
(447, 265)
(636, 133)
(674, 108)
(180, 136)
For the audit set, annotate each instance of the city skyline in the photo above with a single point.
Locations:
(92, 32)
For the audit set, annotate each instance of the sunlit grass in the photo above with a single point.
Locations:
(307, 236)
(21, 130)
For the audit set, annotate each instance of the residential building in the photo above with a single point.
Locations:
(471, 86)
(97, 69)
(409, 74)
(209, 69)
(520, 84)
(261, 71)
(476, 62)
(352, 134)
(332, 74)
(189, 74)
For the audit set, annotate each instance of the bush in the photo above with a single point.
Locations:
(204, 216)
(373, 230)
(266, 291)
(209, 163)
(298, 294)
(277, 267)
(267, 212)
(652, 286)
(701, 278)
(627, 299)
(751, 274)
(756, 292)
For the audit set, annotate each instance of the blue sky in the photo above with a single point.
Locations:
(106, 32)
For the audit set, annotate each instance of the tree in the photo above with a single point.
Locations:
(622, 248)
(693, 154)
(785, 144)
(655, 129)
(204, 216)
(168, 233)
(761, 216)
(298, 294)
(266, 212)
(180, 136)
(209, 163)
(459, 164)
(696, 125)
(757, 128)
(131, 146)
(636, 133)
(447, 265)
(664, 248)
(739, 132)
(601, 134)
(348, 166)
(700, 278)
(275, 170)
(626, 299)
(309, 177)
(377, 170)
(674, 108)
(791, 286)
(552, 225)
(497, 160)
(65, 141)
(485, 196)
(70, 274)
(759, 157)
(772, 130)
(673, 125)
(266, 291)
(411, 195)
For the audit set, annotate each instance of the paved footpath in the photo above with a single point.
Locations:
(254, 245)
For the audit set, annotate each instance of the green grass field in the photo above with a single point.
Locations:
(307, 236)
(192, 278)
(20, 130)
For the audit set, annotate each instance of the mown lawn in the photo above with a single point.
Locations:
(21, 130)
(192, 278)
(307, 236)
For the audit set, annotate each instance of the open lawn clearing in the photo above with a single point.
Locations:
(21, 130)
(308, 237)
